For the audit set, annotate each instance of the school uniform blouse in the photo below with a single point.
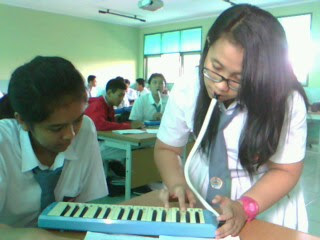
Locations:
(82, 176)
(143, 92)
(103, 115)
(177, 124)
(132, 94)
(145, 107)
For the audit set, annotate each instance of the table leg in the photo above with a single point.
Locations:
(128, 172)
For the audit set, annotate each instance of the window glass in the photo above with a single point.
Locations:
(190, 65)
(167, 64)
(191, 40)
(152, 44)
(175, 54)
(170, 42)
(298, 34)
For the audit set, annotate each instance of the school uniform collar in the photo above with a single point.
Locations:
(29, 159)
(230, 108)
(151, 100)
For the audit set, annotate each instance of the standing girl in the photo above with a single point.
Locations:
(252, 164)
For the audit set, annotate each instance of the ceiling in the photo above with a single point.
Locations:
(172, 11)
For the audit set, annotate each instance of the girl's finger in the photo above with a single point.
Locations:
(164, 197)
(191, 198)
(180, 194)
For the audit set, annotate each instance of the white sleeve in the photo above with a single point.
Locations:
(136, 113)
(4, 133)
(292, 142)
(3, 183)
(94, 181)
(177, 121)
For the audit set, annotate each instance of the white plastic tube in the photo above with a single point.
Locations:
(192, 152)
(159, 94)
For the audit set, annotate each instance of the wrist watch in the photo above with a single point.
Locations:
(250, 207)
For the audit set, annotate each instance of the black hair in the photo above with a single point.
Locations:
(37, 88)
(115, 84)
(91, 78)
(266, 83)
(126, 81)
(154, 75)
(6, 110)
(140, 81)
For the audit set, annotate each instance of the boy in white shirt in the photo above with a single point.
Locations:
(141, 89)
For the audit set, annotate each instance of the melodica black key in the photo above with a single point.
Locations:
(97, 212)
(74, 211)
(128, 219)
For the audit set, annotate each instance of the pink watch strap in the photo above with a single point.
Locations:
(250, 206)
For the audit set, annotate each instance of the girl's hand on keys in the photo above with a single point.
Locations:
(181, 193)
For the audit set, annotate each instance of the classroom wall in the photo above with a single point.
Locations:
(105, 50)
(205, 23)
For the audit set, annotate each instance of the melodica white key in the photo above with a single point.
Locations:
(127, 219)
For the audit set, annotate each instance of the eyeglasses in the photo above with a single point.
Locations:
(217, 78)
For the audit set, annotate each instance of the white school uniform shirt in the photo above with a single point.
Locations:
(132, 94)
(93, 92)
(143, 92)
(177, 124)
(125, 102)
(82, 176)
(143, 108)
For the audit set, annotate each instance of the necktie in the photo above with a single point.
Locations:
(219, 174)
(47, 180)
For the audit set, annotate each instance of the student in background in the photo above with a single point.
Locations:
(125, 101)
(92, 86)
(131, 94)
(48, 149)
(254, 166)
(150, 106)
(101, 109)
(141, 87)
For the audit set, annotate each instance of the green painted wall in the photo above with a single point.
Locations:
(314, 8)
(103, 49)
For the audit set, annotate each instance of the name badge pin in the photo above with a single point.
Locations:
(216, 182)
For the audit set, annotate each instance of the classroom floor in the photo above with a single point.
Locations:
(311, 187)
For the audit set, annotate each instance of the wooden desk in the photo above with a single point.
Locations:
(128, 142)
(255, 230)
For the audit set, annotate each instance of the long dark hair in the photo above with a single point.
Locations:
(6, 110)
(267, 81)
(37, 88)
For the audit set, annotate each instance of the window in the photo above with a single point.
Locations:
(298, 32)
(174, 54)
